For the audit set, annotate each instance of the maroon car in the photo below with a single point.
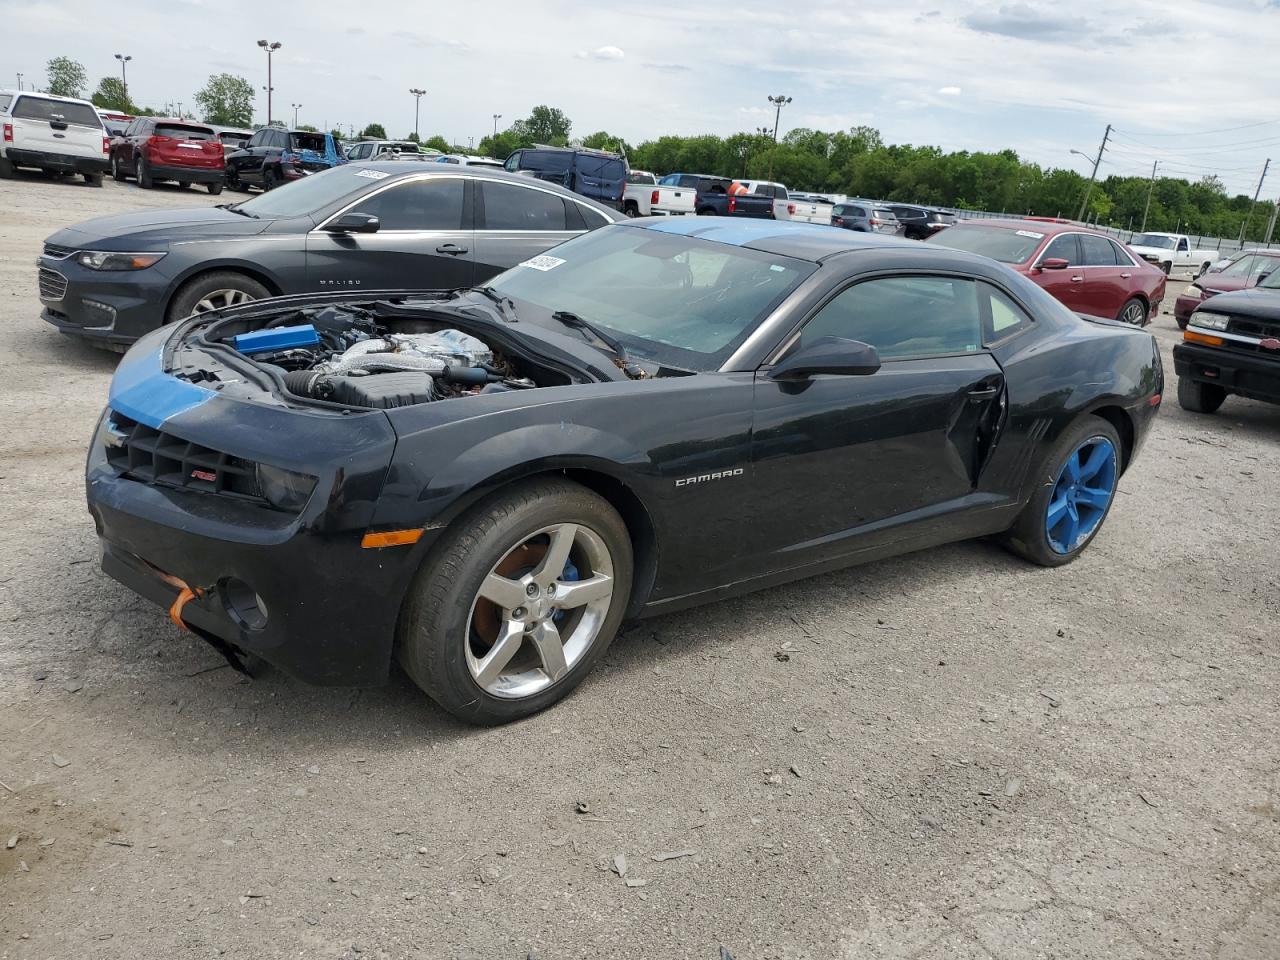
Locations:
(159, 148)
(1246, 269)
(1084, 269)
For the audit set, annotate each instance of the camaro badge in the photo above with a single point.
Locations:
(204, 475)
(704, 477)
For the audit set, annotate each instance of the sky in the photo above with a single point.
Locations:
(1192, 83)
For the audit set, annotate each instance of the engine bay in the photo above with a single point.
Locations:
(361, 356)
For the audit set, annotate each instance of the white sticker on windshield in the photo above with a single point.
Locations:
(372, 174)
(543, 262)
(1028, 233)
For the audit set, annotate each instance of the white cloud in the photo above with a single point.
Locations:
(950, 91)
(601, 53)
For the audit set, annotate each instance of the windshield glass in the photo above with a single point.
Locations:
(998, 243)
(304, 197)
(676, 300)
(1151, 240)
(307, 141)
(1272, 280)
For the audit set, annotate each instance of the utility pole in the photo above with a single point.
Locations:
(296, 108)
(496, 118)
(124, 78)
(778, 102)
(19, 83)
(417, 100)
(1084, 204)
(270, 48)
(1150, 187)
(1271, 225)
(1257, 193)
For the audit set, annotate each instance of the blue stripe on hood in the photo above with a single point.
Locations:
(142, 391)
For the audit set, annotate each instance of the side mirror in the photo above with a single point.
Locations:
(354, 223)
(834, 355)
(1053, 263)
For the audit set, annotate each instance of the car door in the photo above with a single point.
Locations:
(844, 462)
(248, 162)
(1106, 286)
(424, 241)
(1066, 286)
(516, 221)
(1182, 253)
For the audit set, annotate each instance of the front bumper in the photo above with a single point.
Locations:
(188, 174)
(1255, 376)
(65, 163)
(104, 305)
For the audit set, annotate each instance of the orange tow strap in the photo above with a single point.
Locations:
(185, 595)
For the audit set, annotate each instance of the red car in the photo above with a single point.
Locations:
(1246, 269)
(1084, 269)
(157, 148)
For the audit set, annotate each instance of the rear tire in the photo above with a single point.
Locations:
(93, 179)
(1133, 312)
(214, 188)
(441, 637)
(1198, 397)
(270, 179)
(6, 168)
(116, 173)
(214, 291)
(1030, 537)
(144, 174)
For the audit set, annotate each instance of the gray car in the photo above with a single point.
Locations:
(363, 226)
(864, 216)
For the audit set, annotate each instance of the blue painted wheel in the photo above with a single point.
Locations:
(1083, 492)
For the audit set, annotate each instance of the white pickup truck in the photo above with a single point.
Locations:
(787, 207)
(1172, 251)
(54, 134)
(645, 197)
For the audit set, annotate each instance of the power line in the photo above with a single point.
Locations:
(1205, 133)
(1219, 148)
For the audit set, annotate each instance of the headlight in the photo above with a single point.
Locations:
(100, 260)
(1210, 321)
(285, 489)
(1194, 292)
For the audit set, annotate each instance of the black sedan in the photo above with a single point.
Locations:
(655, 415)
(358, 226)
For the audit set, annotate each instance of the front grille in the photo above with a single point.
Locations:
(53, 285)
(58, 252)
(1250, 327)
(155, 456)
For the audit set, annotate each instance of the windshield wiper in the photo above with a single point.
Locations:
(624, 362)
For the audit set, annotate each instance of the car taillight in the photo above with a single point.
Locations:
(791, 209)
(106, 145)
(733, 204)
(653, 198)
(874, 222)
(8, 133)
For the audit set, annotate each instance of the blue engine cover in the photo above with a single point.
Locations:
(277, 338)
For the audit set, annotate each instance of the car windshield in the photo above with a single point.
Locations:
(1272, 280)
(307, 141)
(302, 198)
(998, 243)
(1152, 240)
(672, 299)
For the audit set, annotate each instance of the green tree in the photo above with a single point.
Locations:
(226, 100)
(308, 127)
(66, 77)
(602, 140)
(413, 138)
(544, 125)
(374, 131)
(439, 143)
(110, 96)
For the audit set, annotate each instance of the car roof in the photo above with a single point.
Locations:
(46, 96)
(786, 238)
(1047, 227)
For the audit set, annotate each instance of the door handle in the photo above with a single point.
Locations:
(1076, 279)
(452, 249)
(984, 393)
(1125, 276)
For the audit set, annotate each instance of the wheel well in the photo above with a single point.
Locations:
(644, 539)
(1117, 417)
(249, 272)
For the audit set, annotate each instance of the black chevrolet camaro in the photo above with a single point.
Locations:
(654, 415)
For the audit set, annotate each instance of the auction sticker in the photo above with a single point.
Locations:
(543, 262)
(1028, 233)
(372, 174)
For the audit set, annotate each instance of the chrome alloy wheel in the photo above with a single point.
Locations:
(539, 610)
(1135, 313)
(218, 299)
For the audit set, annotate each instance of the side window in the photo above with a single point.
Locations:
(1242, 267)
(1063, 248)
(670, 180)
(592, 218)
(508, 206)
(1097, 251)
(255, 140)
(358, 152)
(904, 317)
(1004, 317)
(1122, 258)
(513, 162)
(1183, 246)
(434, 204)
(1262, 267)
(857, 212)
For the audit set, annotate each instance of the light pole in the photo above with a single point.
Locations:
(19, 83)
(296, 108)
(496, 118)
(417, 100)
(179, 109)
(271, 48)
(124, 78)
(778, 102)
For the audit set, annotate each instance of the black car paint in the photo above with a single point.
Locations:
(284, 255)
(1246, 369)
(801, 477)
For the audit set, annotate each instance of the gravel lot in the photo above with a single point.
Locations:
(950, 755)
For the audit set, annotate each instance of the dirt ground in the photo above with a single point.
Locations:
(951, 755)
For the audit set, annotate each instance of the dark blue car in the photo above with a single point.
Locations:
(593, 173)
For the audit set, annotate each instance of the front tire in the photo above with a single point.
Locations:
(517, 602)
(270, 179)
(93, 179)
(1077, 485)
(214, 189)
(116, 173)
(1198, 397)
(214, 291)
